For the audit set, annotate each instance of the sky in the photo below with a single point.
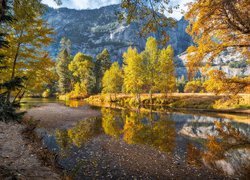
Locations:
(93, 4)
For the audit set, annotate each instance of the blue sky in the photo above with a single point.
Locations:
(92, 4)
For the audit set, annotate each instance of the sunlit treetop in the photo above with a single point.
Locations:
(216, 26)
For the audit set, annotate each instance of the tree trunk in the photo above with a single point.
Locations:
(138, 97)
(150, 96)
(13, 70)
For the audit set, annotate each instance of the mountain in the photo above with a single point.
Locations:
(90, 31)
(233, 63)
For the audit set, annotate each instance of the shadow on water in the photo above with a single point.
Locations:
(124, 143)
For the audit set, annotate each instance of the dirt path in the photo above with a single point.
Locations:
(16, 158)
(55, 115)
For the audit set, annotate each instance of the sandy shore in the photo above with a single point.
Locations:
(53, 115)
(17, 160)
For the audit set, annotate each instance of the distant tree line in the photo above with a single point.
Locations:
(150, 71)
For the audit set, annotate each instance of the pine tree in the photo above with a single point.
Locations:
(102, 64)
(64, 82)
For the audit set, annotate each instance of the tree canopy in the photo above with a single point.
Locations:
(216, 26)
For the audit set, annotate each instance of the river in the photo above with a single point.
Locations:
(125, 144)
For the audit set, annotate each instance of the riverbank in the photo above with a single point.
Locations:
(53, 115)
(19, 157)
(177, 101)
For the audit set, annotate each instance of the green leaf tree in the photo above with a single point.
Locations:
(82, 68)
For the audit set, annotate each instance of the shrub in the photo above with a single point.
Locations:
(46, 93)
(238, 64)
(194, 87)
(8, 111)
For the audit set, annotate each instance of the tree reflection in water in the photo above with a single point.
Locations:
(79, 134)
(133, 127)
(112, 122)
(228, 150)
(150, 129)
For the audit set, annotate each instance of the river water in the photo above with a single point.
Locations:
(139, 144)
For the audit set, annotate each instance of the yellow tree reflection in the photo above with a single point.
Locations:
(112, 123)
(160, 133)
(79, 134)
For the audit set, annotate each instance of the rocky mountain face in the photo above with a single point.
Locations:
(231, 62)
(90, 31)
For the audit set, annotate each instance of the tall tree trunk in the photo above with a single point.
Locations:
(13, 69)
(138, 97)
(150, 96)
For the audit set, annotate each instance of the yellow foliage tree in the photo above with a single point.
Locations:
(27, 35)
(216, 26)
(82, 68)
(113, 79)
(166, 81)
(133, 72)
(218, 83)
(194, 86)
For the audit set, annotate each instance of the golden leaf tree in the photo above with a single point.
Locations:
(216, 26)
(112, 80)
(133, 72)
(27, 35)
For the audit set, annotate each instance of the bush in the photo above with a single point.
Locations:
(194, 87)
(8, 111)
(238, 64)
(46, 93)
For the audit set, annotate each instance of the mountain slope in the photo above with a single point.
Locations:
(93, 30)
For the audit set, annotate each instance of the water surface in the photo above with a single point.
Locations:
(136, 144)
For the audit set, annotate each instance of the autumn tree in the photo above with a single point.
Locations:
(82, 68)
(219, 83)
(216, 26)
(150, 57)
(27, 35)
(133, 72)
(194, 86)
(102, 64)
(166, 81)
(113, 79)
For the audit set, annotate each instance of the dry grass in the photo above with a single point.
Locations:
(177, 100)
